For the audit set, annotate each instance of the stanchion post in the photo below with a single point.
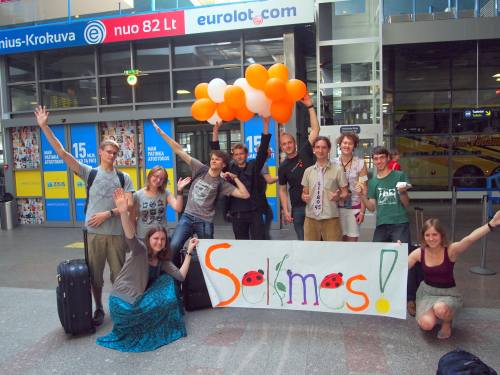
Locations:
(453, 212)
(482, 269)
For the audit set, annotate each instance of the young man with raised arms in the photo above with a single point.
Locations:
(291, 171)
(208, 182)
(105, 234)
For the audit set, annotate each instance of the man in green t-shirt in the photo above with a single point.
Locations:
(387, 194)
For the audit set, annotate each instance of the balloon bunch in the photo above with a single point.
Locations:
(266, 92)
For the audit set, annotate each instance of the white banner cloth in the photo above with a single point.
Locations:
(341, 277)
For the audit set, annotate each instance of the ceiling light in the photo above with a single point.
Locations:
(498, 79)
(183, 92)
(496, 75)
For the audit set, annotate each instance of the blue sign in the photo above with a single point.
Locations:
(84, 143)
(157, 152)
(84, 149)
(252, 130)
(57, 210)
(478, 114)
(350, 129)
(252, 133)
(42, 37)
(50, 160)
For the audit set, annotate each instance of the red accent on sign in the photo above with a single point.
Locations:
(146, 26)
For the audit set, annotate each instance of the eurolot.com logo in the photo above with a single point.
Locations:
(238, 16)
(95, 32)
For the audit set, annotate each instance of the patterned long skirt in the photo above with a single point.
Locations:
(152, 321)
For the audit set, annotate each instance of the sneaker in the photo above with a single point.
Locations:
(411, 307)
(98, 317)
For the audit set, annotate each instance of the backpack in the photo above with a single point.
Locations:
(90, 181)
(460, 362)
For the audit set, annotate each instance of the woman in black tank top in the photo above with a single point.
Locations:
(437, 297)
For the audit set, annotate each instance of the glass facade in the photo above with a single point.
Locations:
(349, 63)
(94, 76)
(442, 111)
(430, 10)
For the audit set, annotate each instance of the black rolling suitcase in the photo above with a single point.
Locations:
(74, 299)
(194, 289)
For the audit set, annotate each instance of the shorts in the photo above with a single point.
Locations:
(325, 229)
(348, 220)
(104, 247)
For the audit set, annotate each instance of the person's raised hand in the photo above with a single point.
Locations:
(306, 100)
(228, 176)
(157, 128)
(192, 244)
(42, 116)
(120, 200)
(182, 183)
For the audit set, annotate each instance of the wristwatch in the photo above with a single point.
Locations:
(310, 106)
(492, 228)
(111, 213)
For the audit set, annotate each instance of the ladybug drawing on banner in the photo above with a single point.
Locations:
(329, 284)
(332, 281)
(251, 279)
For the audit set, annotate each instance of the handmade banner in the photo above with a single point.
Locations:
(353, 278)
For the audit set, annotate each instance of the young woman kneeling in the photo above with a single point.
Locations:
(438, 299)
(143, 304)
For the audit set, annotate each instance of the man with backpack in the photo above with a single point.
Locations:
(208, 182)
(102, 219)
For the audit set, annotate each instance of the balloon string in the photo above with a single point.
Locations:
(384, 284)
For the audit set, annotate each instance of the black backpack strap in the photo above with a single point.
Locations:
(121, 177)
(90, 181)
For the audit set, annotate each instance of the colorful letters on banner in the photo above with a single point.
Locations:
(352, 278)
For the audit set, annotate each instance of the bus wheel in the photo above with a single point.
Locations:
(468, 177)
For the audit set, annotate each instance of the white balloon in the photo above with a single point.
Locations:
(214, 119)
(266, 109)
(242, 82)
(216, 89)
(256, 101)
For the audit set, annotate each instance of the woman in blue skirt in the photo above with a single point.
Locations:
(143, 304)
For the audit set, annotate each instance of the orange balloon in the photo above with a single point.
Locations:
(296, 89)
(203, 109)
(275, 89)
(244, 114)
(234, 96)
(281, 111)
(201, 90)
(278, 71)
(225, 112)
(256, 76)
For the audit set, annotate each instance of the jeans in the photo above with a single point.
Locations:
(267, 217)
(401, 232)
(299, 216)
(248, 225)
(186, 227)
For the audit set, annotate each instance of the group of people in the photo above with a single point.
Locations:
(325, 199)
